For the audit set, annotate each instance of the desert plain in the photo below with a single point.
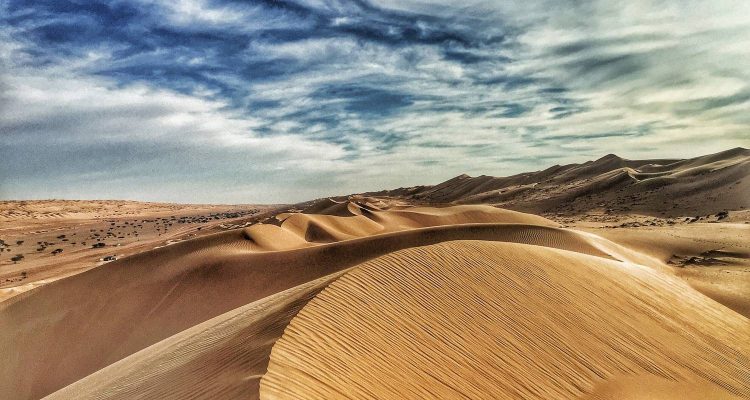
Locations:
(609, 279)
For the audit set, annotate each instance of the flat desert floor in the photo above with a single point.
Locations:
(389, 295)
(58, 238)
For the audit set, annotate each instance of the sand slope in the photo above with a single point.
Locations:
(481, 320)
(223, 357)
(713, 258)
(226, 355)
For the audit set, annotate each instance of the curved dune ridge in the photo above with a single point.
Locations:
(482, 320)
(225, 356)
(362, 219)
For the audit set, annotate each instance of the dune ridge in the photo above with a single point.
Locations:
(468, 319)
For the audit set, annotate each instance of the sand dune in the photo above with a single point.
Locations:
(498, 320)
(225, 356)
(698, 186)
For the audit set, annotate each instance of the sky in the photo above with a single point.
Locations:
(199, 101)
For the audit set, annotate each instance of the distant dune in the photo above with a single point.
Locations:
(412, 294)
(697, 186)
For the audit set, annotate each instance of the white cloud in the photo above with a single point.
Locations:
(197, 14)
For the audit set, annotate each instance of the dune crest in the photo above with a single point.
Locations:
(481, 320)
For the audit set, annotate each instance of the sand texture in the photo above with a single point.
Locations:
(480, 320)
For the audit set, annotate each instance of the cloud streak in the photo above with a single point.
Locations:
(236, 101)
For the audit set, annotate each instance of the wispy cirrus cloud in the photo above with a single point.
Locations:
(287, 100)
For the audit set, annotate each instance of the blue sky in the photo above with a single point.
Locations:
(280, 101)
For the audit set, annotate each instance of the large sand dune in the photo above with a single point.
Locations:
(508, 321)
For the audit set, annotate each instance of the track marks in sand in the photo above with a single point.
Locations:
(501, 320)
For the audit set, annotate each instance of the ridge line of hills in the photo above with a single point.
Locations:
(610, 185)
